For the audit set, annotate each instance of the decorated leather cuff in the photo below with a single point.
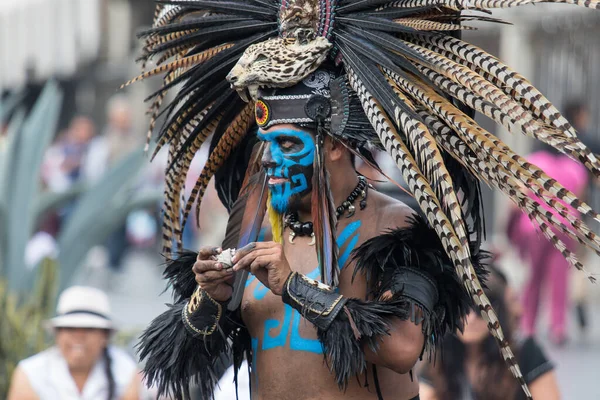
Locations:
(318, 303)
(201, 314)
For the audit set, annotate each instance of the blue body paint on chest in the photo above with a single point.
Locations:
(279, 332)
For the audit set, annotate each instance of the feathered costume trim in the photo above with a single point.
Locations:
(384, 259)
(417, 246)
(364, 324)
(175, 360)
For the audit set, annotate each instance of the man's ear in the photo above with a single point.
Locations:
(334, 149)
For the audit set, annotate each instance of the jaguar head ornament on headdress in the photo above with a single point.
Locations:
(276, 63)
(413, 80)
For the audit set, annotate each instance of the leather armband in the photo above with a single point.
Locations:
(417, 286)
(318, 303)
(201, 314)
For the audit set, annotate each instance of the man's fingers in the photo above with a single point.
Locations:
(214, 277)
(203, 266)
(250, 248)
(259, 263)
(245, 261)
(208, 251)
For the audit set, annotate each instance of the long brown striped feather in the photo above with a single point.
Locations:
(426, 25)
(533, 128)
(514, 84)
(227, 143)
(507, 184)
(185, 62)
(154, 109)
(532, 176)
(173, 181)
(429, 160)
(497, 154)
(174, 128)
(476, 84)
(182, 171)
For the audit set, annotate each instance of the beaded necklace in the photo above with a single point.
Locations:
(298, 228)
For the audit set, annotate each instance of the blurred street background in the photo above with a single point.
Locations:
(83, 194)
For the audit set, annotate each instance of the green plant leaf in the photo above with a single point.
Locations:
(48, 201)
(99, 212)
(22, 185)
(7, 159)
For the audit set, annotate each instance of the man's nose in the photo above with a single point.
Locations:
(267, 158)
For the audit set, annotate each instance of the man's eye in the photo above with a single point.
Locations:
(287, 144)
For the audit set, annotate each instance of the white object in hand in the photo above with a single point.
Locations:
(225, 258)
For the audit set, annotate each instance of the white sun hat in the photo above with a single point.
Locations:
(82, 307)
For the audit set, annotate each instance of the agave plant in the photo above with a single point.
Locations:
(100, 209)
(22, 321)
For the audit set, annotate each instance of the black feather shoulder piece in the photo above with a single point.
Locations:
(417, 247)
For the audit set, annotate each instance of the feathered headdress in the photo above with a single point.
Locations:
(414, 78)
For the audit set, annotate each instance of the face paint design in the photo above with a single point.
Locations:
(288, 161)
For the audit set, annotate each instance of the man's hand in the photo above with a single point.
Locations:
(266, 261)
(211, 276)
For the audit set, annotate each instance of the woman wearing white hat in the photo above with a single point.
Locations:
(82, 365)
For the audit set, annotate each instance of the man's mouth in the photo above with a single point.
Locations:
(274, 180)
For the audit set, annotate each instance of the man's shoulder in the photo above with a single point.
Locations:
(391, 213)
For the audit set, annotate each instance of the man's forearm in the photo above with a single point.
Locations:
(344, 325)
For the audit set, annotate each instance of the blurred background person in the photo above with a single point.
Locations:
(65, 159)
(118, 139)
(82, 364)
(548, 267)
(471, 367)
(577, 112)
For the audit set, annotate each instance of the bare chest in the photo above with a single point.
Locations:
(273, 324)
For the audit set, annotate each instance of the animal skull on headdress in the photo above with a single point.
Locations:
(276, 62)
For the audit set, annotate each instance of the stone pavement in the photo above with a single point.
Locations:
(578, 362)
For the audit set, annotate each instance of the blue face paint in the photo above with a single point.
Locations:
(288, 160)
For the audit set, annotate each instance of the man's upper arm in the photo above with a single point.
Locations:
(20, 388)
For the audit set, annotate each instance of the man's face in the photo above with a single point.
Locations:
(288, 161)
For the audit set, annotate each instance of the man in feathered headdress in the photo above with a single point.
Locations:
(320, 83)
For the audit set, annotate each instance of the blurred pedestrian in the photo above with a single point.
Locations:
(117, 140)
(81, 365)
(548, 266)
(578, 113)
(472, 368)
(64, 160)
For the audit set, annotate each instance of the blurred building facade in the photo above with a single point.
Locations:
(90, 47)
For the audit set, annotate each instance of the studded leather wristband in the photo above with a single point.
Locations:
(318, 303)
(201, 314)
